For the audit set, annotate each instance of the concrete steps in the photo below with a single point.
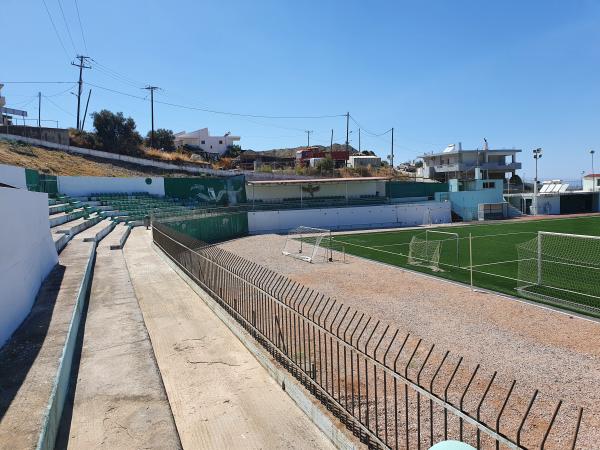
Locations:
(64, 233)
(66, 216)
(35, 363)
(97, 232)
(117, 238)
(117, 396)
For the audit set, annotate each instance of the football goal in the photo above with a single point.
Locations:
(561, 268)
(492, 211)
(427, 248)
(306, 243)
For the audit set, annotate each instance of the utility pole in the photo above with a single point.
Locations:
(537, 154)
(593, 173)
(359, 140)
(40, 111)
(86, 108)
(81, 64)
(152, 89)
(392, 158)
(331, 145)
(308, 137)
(347, 129)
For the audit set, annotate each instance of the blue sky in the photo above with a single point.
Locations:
(522, 74)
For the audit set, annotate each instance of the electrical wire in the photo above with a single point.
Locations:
(81, 27)
(55, 29)
(367, 131)
(35, 82)
(59, 107)
(67, 25)
(62, 92)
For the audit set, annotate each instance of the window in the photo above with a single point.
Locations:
(220, 142)
(489, 185)
(597, 181)
(203, 142)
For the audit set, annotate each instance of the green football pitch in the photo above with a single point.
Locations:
(574, 265)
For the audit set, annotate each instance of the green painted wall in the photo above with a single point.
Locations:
(220, 191)
(41, 182)
(214, 228)
(400, 189)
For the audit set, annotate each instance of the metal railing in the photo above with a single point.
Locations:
(389, 388)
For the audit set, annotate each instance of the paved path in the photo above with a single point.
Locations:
(119, 400)
(29, 361)
(221, 397)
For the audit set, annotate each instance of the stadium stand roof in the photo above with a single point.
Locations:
(318, 180)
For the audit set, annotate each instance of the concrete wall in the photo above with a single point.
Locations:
(13, 176)
(80, 186)
(361, 217)
(55, 135)
(277, 192)
(588, 184)
(27, 254)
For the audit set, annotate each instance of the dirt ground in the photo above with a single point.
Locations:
(557, 353)
(56, 162)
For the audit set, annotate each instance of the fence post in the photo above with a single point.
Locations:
(471, 258)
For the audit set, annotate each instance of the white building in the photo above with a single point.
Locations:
(210, 144)
(359, 161)
(589, 180)
(455, 162)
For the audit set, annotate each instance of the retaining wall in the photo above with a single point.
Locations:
(27, 254)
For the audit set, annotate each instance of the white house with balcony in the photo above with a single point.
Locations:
(207, 143)
(454, 162)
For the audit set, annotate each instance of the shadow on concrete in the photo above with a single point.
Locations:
(18, 355)
(62, 436)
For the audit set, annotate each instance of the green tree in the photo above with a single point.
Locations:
(233, 151)
(325, 165)
(163, 138)
(116, 133)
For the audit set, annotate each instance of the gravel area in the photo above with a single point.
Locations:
(557, 353)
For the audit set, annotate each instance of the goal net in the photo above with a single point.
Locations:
(433, 248)
(306, 243)
(561, 268)
(492, 211)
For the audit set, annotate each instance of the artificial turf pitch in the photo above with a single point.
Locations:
(494, 250)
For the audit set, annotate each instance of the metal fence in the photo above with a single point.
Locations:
(389, 388)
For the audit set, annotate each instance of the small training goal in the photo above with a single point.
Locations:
(427, 248)
(492, 211)
(561, 268)
(308, 244)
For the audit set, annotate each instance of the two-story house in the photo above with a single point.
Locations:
(456, 163)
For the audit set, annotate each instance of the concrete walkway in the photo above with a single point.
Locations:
(221, 397)
(118, 401)
(29, 361)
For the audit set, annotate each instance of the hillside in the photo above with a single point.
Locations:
(55, 162)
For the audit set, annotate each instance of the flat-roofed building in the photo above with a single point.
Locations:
(456, 163)
(205, 142)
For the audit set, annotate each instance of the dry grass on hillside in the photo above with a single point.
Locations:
(57, 162)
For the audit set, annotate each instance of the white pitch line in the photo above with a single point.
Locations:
(499, 262)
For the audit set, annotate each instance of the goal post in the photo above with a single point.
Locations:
(427, 248)
(449, 243)
(492, 211)
(561, 267)
(308, 244)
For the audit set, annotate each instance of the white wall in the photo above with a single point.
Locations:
(13, 176)
(80, 186)
(360, 217)
(27, 254)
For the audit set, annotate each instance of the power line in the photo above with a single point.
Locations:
(81, 27)
(55, 29)
(35, 82)
(367, 131)
(67, 25)
(59, 107)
